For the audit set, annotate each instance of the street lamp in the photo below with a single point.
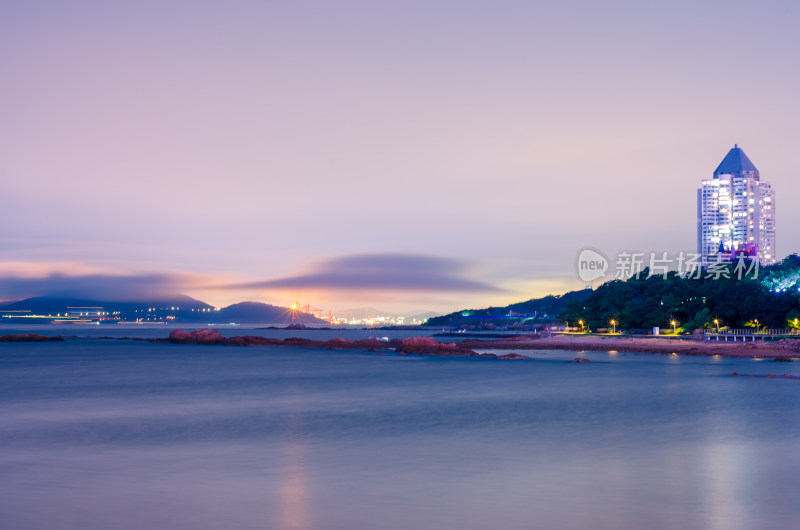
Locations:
(614, 325)
(716, 321)
(581, 323)
(674, 327)
(757, 326)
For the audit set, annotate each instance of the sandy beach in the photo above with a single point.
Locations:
(786, 348)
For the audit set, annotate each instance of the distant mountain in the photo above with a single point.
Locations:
(365, 312)
(177, 309)
(52, 305)
(420, 315)
(529, 313)
(256, 312)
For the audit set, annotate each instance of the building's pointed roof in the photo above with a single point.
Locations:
(736, 163)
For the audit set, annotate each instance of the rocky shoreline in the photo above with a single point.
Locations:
(30, 337)
(427, 346)
(779, 349)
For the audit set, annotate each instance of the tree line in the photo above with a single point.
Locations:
(771, 299)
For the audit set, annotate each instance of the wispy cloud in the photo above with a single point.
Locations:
(380, 272)
(354, 276)
(106, 287)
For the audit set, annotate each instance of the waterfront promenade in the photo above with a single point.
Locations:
(749, 335)
(778, 347)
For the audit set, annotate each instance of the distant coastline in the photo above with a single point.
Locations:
(786, 349)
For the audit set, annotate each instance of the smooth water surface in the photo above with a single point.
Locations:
(100, 434)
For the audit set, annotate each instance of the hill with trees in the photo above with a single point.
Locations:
(521, 315)
(772, 299)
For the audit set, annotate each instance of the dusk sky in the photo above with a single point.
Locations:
(402, 155)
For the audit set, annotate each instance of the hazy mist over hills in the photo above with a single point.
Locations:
(179, 309)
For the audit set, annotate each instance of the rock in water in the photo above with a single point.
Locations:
(513, 356)
(580, 360)
(198, 336)
(180, 335)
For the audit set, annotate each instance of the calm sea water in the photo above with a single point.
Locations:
(102, 434)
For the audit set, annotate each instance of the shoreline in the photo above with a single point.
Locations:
(784, 350)
(781, 349)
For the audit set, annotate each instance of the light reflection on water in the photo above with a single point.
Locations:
(108, 434)
(294, 482)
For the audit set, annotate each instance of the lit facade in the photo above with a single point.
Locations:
(736, 212)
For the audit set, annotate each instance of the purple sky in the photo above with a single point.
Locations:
(263, 145)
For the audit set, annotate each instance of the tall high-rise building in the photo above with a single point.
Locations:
(736, 212)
